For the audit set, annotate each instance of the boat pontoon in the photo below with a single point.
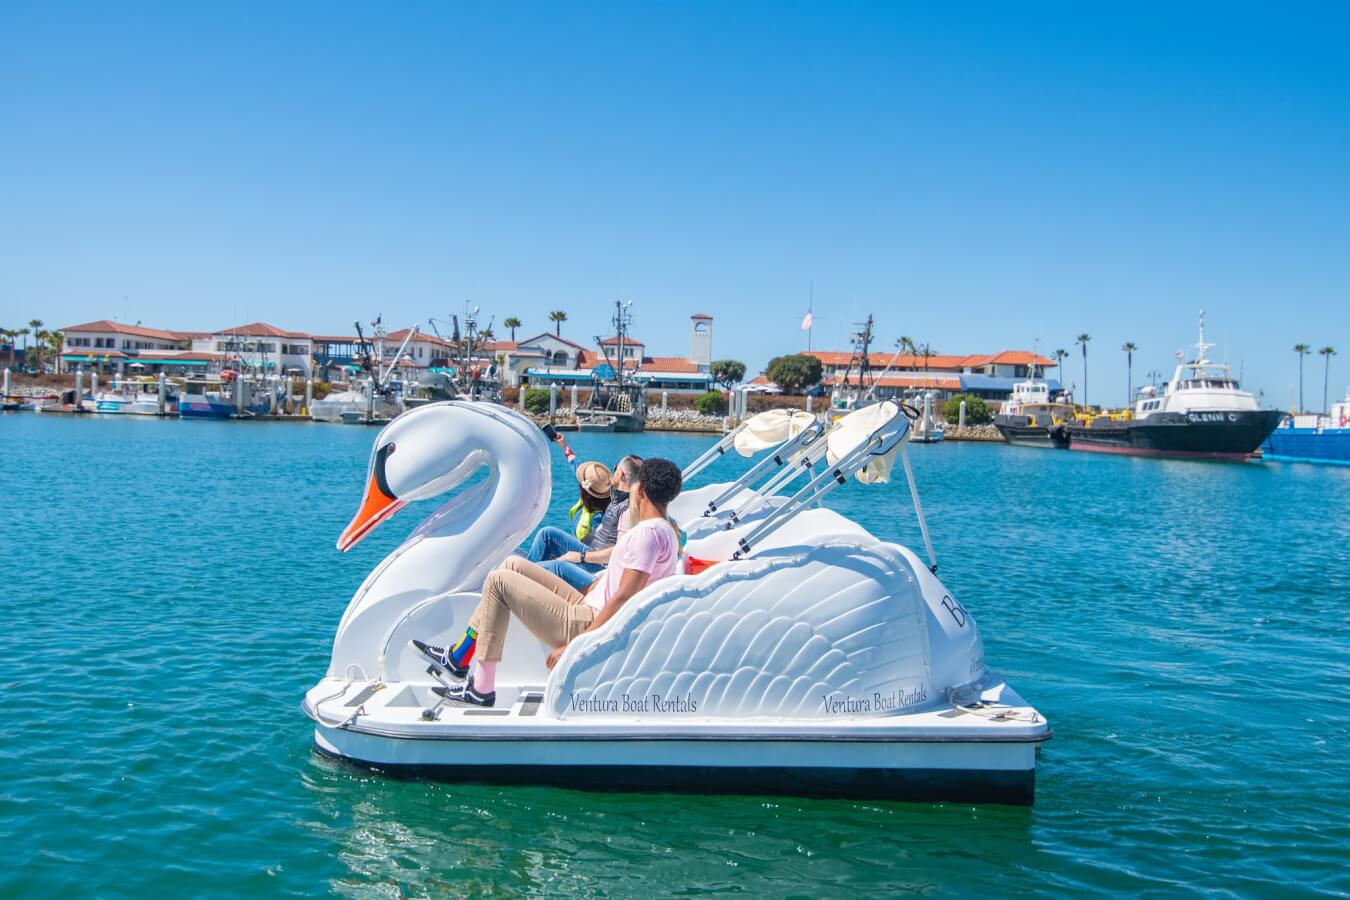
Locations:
(806, 657)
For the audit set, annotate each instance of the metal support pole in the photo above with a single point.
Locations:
(918, 508)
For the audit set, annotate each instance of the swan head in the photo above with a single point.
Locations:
(418, 455)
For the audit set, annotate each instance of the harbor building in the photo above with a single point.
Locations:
(260, 347)
(106, 347)
(990, 376)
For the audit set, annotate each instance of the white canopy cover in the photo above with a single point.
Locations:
(857, 427)
(771, 428)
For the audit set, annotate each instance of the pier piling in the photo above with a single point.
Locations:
(163, 398)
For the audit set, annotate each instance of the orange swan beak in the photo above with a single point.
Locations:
(376, 506)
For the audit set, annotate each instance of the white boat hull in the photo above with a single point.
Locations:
(939, 754)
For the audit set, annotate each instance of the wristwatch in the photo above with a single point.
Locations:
(583, 557)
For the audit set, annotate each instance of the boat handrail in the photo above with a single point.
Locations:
(783, 458)
(804, 459)
(887, 437)
(728, 440)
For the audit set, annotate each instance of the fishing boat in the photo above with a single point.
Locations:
(798, 653)
(359, 404)
(229, 396)
(1030, 418)
(1312, 438)
(375, 398)
(143, 396)
(617, 401)
(1202, 413)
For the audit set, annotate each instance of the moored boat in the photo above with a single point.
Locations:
(617, 402)
(1202, 413)
(236, 397)
(1030, 418)
(1312, 438)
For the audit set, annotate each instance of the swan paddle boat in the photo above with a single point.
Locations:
(795, 654)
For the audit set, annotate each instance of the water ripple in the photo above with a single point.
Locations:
(172, 591)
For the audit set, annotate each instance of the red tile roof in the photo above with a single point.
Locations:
(105, 326)
(262, 329)
(500, 346)
(700, 316)
(613, 341)
(549, 334)
(669, 364)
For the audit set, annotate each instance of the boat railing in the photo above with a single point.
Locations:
(886, 438)
(788, 457)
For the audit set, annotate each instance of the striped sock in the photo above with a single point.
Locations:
(462, 653)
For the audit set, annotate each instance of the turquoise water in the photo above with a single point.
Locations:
(171, 589)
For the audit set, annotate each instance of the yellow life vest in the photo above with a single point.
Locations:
(582, 519)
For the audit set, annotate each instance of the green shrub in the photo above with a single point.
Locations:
(794, 373)
(713, 403)
(536, 400)
(978, 410)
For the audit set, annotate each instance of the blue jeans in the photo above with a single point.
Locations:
(549, 543)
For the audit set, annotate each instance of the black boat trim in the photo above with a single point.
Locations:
(1005, 786)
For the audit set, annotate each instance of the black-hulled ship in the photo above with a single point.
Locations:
(1200, 414)
(1030, 418)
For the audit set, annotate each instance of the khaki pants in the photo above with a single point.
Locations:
(549, 607)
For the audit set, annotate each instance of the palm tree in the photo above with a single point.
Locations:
(926, 351)
(557, 317)
(1302, 351)
(36, 326)
(56, 339)
(512, 323)
(1059, 366)
(1129, 349)
(1082, 341)
(486, 334)
(39, 345)
(8, 335)
(1326, 353)
(23, 333)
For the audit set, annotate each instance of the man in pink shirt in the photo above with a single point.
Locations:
(553, 610)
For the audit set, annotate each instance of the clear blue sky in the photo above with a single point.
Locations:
(977, 176)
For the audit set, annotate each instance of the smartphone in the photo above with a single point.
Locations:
(550, 432)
